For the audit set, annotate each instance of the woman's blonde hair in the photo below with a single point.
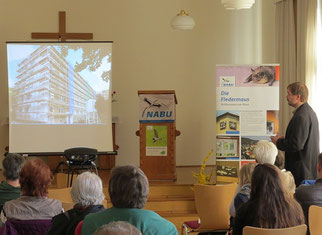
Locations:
(289, 182)
(245, 173)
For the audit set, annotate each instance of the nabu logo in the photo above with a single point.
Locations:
(227, 81)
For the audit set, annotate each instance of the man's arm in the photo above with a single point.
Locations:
(276, 137)
(298, 133)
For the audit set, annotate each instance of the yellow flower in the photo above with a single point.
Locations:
(202, 177)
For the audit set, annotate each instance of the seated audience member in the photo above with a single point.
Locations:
(289, 178)
(245, 177)
(128, 189)
(33, 204)
(117, 228)
(308, 195)
(289, 182)
(10, 188)
(264, 152)
(87, 194)
(269, 206)
(280, 160)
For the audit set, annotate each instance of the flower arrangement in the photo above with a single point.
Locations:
(202, 177)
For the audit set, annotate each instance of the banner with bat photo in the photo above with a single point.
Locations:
(247, 110)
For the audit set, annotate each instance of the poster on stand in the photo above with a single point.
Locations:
(247, 110)
(156, 140)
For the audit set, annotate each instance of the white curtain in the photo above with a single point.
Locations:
(296, 31)
(286, 54)
(317, 82)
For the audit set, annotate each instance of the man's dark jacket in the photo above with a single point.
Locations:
(301, 144)
(308, 195)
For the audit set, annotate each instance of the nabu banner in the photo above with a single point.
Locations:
(247, 110)
(157, 108)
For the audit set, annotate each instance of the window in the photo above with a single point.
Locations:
(232, 125)
(222, 125)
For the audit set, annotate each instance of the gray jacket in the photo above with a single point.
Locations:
(32, 208)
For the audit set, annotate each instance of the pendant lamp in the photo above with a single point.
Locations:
(182, 21)
(237, 4)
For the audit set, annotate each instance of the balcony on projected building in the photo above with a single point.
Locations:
(49, 91)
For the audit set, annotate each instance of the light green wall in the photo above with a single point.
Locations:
(148, 54)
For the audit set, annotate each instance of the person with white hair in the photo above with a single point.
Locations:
(128, 189)
(265, 152)
(117, 228)
(87, 194)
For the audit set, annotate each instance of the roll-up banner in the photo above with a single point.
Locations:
(247, 109)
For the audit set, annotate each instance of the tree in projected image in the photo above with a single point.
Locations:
(101, 108)
(91, 59)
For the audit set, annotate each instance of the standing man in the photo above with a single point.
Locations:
(301, 142)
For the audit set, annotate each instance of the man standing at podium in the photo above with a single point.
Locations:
(301, 142)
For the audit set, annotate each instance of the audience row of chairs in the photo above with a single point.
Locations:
(214, 215)
(212, 202)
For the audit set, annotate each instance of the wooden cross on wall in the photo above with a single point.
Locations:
(62, 35)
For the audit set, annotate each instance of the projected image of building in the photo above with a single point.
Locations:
(48, 90)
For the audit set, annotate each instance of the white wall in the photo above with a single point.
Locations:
(148, 54)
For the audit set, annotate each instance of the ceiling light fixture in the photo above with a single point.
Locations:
(183, 21)
(237, 4)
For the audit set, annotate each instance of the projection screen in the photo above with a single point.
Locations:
(59, 96)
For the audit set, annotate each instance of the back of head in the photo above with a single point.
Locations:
(280, 160)
(275, 207)
(87, 190)
(265, 152)
(320, 166)
(128, 187)
(35, 177)
(118, 228)
(289, 182)
(11, 165)
(245, 174)
(265, 178)
(299, 88)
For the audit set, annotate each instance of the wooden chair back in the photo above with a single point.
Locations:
(67, 205)
(315, 220)
(297, 230)
(212, 204)
(62, 194)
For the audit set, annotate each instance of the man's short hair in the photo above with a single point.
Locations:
(128, 187)
(11, 165)
(265, 152)
(299, 88)
(118, 228)
(87, 190)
